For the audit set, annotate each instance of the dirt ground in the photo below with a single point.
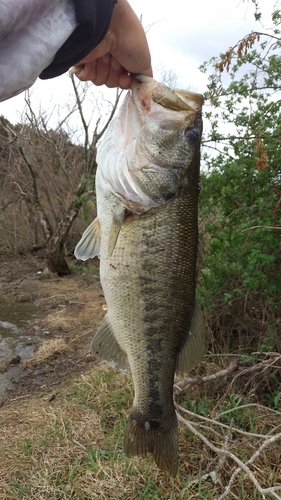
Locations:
(71, 308)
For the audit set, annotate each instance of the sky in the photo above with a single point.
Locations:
(182, 34)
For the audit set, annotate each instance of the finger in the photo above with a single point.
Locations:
(102, 70)
(125, 81)
(111, 77)
(76, 69)
(115, 70)
(85, 71)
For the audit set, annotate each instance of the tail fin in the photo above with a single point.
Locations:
(143, 437)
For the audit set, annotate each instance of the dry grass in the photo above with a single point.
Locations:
(71, 448)
(62, 441)
(46, 350)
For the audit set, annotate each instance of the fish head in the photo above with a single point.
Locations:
(151, 150)
(170, 122)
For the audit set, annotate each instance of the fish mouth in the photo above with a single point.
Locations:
(172, 99)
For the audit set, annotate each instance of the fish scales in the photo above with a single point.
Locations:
(155, 271)
(148, 275)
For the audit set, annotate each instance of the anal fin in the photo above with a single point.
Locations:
(105, 347)
(191, 352)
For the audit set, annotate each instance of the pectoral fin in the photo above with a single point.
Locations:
(89, 245)
(115, 230)
(105, 347)
(192, 349)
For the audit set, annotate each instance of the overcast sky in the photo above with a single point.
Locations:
(182, 34)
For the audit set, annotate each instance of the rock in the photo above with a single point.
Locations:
(14, 360)
(23, 297)
(3, 368)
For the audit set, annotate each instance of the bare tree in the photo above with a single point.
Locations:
(47, 177)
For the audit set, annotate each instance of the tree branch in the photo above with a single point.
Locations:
(223, 453)
(186, 382)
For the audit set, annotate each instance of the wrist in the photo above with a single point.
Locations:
(122, 21)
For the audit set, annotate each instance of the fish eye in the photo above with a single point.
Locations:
(192, 134)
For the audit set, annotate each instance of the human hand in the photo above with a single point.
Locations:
(123, 50)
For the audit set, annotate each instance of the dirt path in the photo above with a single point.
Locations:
(71, 308)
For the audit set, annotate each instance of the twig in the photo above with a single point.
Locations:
(222, 458)
(82, 335)
(208, 429)
(223, 453)
(260, 227)
(186, 382)
(270, 354)
(33, 372)
(220, 424)
(248, 405)
(222, 373)
(20, 397)
(219, 451)
(53, 296)
(263, 491)
(14, 284)
(257, 368)
(79, 444)
(269, 363)
(65, 298)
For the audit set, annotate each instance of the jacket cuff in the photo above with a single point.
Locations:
(94, 17)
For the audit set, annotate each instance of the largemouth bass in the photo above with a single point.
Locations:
(146, 235)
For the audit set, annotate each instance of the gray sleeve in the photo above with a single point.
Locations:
(46, 37)
(31, 33)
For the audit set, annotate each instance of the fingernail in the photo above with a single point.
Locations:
(106, 58)
(125, 81)
(76, 69)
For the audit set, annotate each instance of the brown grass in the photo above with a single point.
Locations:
(46, 350)
(71, 448)
(62, 432)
